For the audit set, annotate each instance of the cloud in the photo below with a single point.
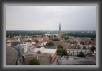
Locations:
(49, 17)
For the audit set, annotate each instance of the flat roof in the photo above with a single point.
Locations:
(44, 50)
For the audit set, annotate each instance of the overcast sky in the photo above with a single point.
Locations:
(49, 17)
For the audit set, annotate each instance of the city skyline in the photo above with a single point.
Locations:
(49, 17)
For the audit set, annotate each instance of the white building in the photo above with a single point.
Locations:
(45, 50)
(8, 42)
(44, 43)
(26, 47)
(51, 34)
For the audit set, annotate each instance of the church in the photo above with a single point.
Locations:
(59, 32)
(59, 35)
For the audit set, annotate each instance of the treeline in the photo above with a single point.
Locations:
(12, 34)
(90, 35)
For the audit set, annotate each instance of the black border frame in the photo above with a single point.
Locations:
(99, 2)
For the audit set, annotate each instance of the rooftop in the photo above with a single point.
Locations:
(45, 50)
(11, 56)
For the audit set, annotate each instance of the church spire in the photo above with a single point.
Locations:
(59, 32)
(59, 26)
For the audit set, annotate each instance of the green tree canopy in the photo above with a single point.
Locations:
(33, 36)
(59, 47)
(34, 61)
(59, 51)
(64, 51)
(93, 48)
(50, 44)
(81, 54)
(55, 36)
(65, 37)
(55, 39)
(82, 42)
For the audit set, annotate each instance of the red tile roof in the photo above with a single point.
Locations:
(57, 42)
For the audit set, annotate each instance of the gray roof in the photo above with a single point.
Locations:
(66, 44)
(87, 62)
(77, 61)
(11, 55)
(38, 44)
(50, 47)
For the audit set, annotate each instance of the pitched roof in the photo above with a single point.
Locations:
(57, 42)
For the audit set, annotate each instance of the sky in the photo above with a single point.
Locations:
(49, 17)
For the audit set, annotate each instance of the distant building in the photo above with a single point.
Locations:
(46, 38)
(51, 34)
(14, 43)
(39, 36)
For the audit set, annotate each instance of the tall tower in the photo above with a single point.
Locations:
(59, 26)
(59, 32)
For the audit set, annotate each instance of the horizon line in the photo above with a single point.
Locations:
(50, 30)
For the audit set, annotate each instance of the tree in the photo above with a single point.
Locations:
(49, 36)
(81, 54)
(23, 59)
(93, 48)
(82, 42)
(92, 39)
(38, 52)
(36, 40)
(33, 36)
(28, 40)
(84, 47)
(71, 42)
(34, 61)
(11, 36)
(89, 42)
(50, 44)
(59, 51)
(55, 36)
(65, 37)
(60, 47)
(64, 51)
(55, 39)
